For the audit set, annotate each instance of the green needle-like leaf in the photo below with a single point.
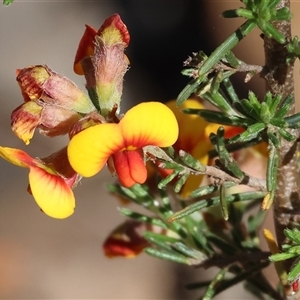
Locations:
(272, 102)
(168, 255)
(255, 104)
(230, 90)
(293, 235)
(270, 31)
(284, 107)
(214, 58)
(192, 253)
(265, 114)
(286, 135)
(225, 158)
(294, 274)
(248, 109)
(159, 239)
(293, 120)
(232, 60)
(251, 133)
(283, 14)
(142, 218)
(294, 250)
(223, 202)
(281, 256)
(211, 289)
(213, 202)
(219, 117)
(191, 162)
(218, 100)
(204, 190)
(180, 182)
(272, 169)
(189, 89)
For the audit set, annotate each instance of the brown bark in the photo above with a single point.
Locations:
(280, 81)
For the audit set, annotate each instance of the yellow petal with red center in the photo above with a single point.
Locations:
(149, 123)
(51, 193)
(17, 157)
(89, 150)
(130, 167)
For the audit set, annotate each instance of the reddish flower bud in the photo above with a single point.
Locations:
(42, 84)
(53, 103)
(126, 240)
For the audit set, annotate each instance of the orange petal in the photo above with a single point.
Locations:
(149, 123)
(17, 157)
(51, 193)
(130, 167)
(85, 48)
(89, 150)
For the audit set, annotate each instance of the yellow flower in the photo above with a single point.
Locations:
(193, 138)
(150, 123)
(51, 180)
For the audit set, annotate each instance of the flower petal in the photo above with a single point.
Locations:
(58, 161)
(40, 82)
(51, 193)
(149, 123)
(89, 150)
(114, 31)
(85, 48)
(56, 120)
(17, 157)
(25, 119)
(130, 167)
(187, 138)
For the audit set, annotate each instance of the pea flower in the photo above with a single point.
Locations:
(193, 138)
(51, 180)
(126, 240)
(149, 123)
(54, 105)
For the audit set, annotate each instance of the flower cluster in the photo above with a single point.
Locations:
(99, 135)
